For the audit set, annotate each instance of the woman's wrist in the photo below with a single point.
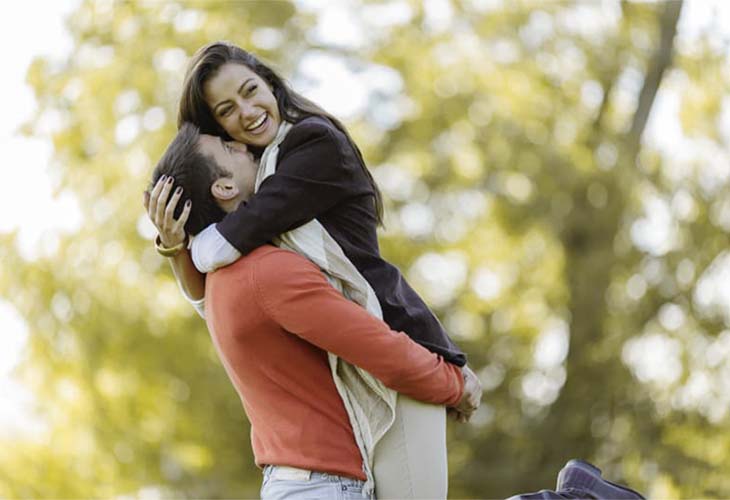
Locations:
(170, 251)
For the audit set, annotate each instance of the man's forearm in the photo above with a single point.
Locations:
(298, 297)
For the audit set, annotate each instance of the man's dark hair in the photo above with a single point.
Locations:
(195, 173)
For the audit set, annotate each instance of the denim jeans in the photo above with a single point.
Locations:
(283, 483)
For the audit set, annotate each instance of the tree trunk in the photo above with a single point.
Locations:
(591, 389)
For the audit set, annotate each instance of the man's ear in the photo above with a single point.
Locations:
(224, 189)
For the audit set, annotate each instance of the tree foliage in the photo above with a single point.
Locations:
(573, 254)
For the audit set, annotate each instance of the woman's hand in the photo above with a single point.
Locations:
(161, 211)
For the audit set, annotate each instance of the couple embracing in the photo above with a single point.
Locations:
(315, 330)
(268, 216)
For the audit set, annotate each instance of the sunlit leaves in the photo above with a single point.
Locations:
(585, 279)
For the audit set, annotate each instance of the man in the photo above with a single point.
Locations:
(273, 317)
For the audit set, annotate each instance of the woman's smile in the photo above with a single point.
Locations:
(254, 127)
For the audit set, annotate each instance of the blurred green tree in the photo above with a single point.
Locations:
(573, 254)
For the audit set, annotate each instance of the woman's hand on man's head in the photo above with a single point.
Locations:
(161, 206)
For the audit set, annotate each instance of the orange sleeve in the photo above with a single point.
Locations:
(296, 295)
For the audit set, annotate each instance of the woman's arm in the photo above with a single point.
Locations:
(191, 281)
(314, 173)
(172, 234)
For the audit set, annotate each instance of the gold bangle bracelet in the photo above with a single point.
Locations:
(171, 251)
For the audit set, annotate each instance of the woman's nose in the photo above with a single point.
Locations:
(247, 111)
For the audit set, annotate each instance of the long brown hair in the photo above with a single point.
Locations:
(293, 106)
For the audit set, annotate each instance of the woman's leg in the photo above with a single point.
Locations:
(410, 460)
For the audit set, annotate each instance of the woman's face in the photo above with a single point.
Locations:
(243, 104)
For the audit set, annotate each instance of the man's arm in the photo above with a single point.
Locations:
(295, 294)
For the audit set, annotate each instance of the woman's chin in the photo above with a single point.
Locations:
(258, 142)
(261, 140)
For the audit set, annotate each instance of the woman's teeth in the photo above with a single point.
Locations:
(260, 121)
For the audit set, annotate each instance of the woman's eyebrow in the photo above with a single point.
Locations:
(239, 91)
(244, 84)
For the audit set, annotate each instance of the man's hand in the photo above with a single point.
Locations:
(161, 212)
(470, 400)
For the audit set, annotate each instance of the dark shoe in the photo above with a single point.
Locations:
(545, 495)
(580, 476)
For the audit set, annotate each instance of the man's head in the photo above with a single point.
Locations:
(215, 175)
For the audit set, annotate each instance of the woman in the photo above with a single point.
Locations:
(320, 175)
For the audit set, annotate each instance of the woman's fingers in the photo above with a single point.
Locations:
(162, 202)
(183, 219)
(168, 222)
(152, 206)
(161, 209)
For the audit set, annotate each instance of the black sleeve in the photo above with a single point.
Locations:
(311, 178)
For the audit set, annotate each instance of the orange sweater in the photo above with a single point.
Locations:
(272, 316)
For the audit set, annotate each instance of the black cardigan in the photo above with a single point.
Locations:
(319, 176)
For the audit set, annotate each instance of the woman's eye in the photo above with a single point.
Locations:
(226, 112)
(252, 89)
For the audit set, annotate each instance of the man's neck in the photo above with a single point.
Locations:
(229, 206)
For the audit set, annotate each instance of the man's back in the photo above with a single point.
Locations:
(270, 315)
(284, 381)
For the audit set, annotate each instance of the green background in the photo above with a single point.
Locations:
(519, 182)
